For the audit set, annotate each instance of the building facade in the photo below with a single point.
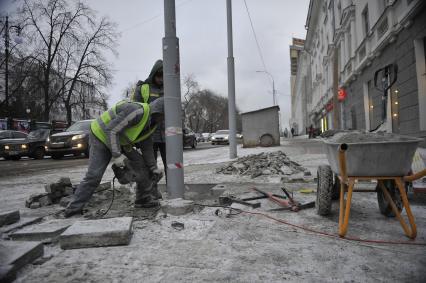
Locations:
(298, 105)
(347, 43)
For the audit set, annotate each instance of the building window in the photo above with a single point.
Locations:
(339, 10)
(365, 21)
(349, 45)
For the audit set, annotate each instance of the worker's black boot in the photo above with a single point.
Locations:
(70, 212)
(146, 202)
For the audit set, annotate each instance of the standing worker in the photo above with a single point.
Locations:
(114, 134)
(147, 91)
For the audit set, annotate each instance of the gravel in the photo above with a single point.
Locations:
(255, 165)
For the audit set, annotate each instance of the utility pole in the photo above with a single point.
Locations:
(232, 119)
(6, 64)
(172, 103)
(6, 74)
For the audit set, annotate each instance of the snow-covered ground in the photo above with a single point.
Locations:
(242, 248)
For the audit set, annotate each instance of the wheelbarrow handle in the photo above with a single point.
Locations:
(342, 162)
(416, 176)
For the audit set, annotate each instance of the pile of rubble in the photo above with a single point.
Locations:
(255, 165)
(57, 192)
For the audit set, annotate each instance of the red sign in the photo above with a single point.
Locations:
(341, 94)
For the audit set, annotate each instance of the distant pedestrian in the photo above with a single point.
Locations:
(292, 132)
(285, 133)
(311, 131)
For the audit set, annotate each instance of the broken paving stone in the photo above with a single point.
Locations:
(42, 231)
(65, 181)
(217, 190)
(45, 201)
(34, 198)
(35, 205)
(20, 253)
(97, 233)
(68, 191)
(177, 206)
(65, 201)
(286, 170)
(7, 273)
(24, 221)
(9, 217)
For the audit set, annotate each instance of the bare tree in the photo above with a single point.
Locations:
(88, 60)
(128, 90)
(50, 23)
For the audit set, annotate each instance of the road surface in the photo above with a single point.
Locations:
(28, 165)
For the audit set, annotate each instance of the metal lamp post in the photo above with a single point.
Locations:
(6, 44)
(273, 85)
(232, 117)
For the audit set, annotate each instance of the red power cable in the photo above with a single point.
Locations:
(335, 235)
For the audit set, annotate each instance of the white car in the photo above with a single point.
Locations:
(220, 137)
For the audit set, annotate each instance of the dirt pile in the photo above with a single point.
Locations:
(255, 165)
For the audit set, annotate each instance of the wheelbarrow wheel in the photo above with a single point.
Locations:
(324, 190)
(336, 188)
(384, 205)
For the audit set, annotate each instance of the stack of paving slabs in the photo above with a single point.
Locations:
(255, 165)
(57, 192)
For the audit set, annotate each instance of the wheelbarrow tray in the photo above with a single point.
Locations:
(382, 158)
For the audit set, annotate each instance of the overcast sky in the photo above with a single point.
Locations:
(201, 28)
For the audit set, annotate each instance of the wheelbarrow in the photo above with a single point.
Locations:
(386, 162)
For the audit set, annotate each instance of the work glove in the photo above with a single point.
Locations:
(119, 161)
(156, 175)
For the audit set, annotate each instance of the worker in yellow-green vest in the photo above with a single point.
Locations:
(115, 134)
(147, 91)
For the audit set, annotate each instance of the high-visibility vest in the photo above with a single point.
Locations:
(145, 93)
(131, 135)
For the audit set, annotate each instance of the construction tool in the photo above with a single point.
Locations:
(272, 197)
(229, 200)
(290, 204)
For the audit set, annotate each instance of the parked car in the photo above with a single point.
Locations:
(36, 142)
(220, 137)
(74, 140)
(13, 144)
(189, 138)
(206, 136)
(199, 137)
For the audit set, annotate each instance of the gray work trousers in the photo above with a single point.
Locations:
(99, 159)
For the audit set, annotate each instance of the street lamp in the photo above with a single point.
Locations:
(6, 44)
(273, 85)
(28, 110)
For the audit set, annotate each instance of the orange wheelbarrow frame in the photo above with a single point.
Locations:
(347, 184)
